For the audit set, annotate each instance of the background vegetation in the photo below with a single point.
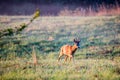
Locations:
(61, 7)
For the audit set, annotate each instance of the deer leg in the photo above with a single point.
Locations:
(60, 57)
(70, 57)
(73, 59)
(65, 58)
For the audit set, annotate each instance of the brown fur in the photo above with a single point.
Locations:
(68, 51)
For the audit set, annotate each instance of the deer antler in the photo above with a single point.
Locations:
(77, 40)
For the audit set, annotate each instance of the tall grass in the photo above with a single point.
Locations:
(102, 10)
(35, 62)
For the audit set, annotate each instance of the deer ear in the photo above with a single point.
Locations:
(74, 40)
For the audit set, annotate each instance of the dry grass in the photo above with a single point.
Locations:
(101, 11)
(34, 57)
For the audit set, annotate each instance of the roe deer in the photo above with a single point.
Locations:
(69, 50)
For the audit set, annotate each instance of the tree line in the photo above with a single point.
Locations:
(77, 2)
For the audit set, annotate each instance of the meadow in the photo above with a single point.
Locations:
(41, 41)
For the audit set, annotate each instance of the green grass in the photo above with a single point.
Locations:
(47, 35)
(49, 69)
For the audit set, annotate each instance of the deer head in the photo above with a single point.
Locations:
(77, 42)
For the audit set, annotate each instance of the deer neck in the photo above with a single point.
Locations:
(74, 48)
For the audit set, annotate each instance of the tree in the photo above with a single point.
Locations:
(10, 31)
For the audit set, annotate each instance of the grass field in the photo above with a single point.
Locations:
(95, 60)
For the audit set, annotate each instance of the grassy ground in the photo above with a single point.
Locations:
(95, 60)
(49, 69)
